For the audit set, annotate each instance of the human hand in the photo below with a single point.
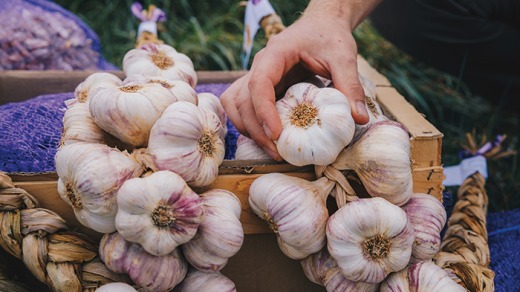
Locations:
(317, 44)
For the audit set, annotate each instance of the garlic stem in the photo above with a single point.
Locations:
(161, 60)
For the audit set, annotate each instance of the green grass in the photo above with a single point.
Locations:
(210, 32)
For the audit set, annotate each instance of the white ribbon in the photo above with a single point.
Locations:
(255, 11)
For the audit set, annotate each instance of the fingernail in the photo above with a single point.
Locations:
(267, 131)
(273, 153)
(361, 109)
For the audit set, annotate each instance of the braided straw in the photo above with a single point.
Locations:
(62, 259)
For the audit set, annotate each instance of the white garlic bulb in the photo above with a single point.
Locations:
(94, 81)
(79, 126)
(160, 212)
(116, 287)
(186, 141)
(428, 217)
(89, 178)
(369, 238)
(295, 210)
(160, 60)
(129, 112)
(248, 149)
(423, 276)
(381, 159)
(316, 124)
(212, 102)
(220, 234)
(181, 90)
(197, 281)
(152, 273)
(323, 270)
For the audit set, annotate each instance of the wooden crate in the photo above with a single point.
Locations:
(259, 265)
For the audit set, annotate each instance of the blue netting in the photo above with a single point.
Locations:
(31, 131)
(41, 35)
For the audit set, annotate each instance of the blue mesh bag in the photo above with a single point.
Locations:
(41, 35)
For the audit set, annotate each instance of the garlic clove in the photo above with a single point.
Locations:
(295, 210)
(186, 140)
(316, 124)
(160, 60)
(369, 238)
(197, 281)
(428, 217)
(160, 212)
(247, 149)
(212, 102)
(181, 90)
(94, 81)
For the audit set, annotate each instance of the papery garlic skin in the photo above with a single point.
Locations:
(79, 126)
(247, 149)
(186, 140)
(381, 159)
(129, 112)
(95, 80)
(89, 178)
(316, 124)
(211, 102)
(423, 276)
(160, 60)
(153, 273)
(295, 210)
(220, 234)
(197, 281)
(323, 270)
(369, 238)
(116, 287)
(181, 90)
(427, 216)
(160, 212)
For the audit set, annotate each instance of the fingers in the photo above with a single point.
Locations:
(345, 78)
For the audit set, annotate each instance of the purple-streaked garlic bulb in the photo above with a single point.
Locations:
(186, 140)
(89, 177)
(295, 210)
(160, 60)
(197, 281)
(370, 238)
(316, 124)
(220, 234)
(247, 149)
(323, 270)
(153, 273)
(428, 217)
(381, 159)
(160, 212)
(95, 80)
(116, 287)
(211, 102)
(181, 90)
(79, 126)
(423, 276)
(129, 112)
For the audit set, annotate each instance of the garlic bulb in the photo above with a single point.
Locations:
(79, 126)
(421, 277)
(211, 102)
(428, 217)
(160, 60)
(220, 234)
(129, 112)
(381, 159)
(370, 238)
(197, 281)
(153, 273)
(94, 81)
(316, 124)
(89, 178)
(323, 270)
(116, 287)
(181, 90)
(295, 210)
(160, 212)
(248, 149)
(186, 141)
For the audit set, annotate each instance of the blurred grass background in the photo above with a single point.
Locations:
(210, 33)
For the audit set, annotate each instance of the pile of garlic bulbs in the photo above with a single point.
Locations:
(132, 152)
(382, 237)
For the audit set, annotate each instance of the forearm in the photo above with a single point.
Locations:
(352, 11)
